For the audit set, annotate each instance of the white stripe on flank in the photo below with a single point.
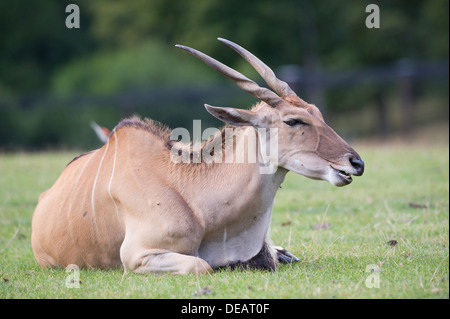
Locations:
(84, 167)
(95, 183)
(112, 175)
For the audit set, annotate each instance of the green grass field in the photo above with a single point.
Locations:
(402, 198)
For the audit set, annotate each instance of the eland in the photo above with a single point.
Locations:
(129, 204)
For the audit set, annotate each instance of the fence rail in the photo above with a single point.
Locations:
(404, 73)
(310, 83)
(302, 79)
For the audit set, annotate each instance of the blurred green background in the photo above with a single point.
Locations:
(370, 83)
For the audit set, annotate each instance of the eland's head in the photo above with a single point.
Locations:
(306, 144)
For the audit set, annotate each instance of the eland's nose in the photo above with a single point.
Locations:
(358, 165)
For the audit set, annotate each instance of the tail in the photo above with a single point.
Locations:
(102, 132)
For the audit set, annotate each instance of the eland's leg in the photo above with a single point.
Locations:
(164, 261)
(163, 238)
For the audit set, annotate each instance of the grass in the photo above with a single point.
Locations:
(402, 197)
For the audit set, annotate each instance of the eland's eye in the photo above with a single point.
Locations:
(294, 122)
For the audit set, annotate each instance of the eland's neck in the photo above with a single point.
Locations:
(235, 181)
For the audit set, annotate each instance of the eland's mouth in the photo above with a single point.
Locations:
(344, 177)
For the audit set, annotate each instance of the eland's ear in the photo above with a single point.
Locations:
(234, 117)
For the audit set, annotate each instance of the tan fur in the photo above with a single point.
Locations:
(127, 203)
(147, 189)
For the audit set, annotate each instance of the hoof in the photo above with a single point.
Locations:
(284, 256)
